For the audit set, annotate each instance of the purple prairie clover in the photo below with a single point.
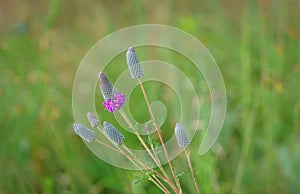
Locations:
(85, 133)
(92, 119)
(120, 98)
(107, 89)
(116, 103)
(181, 136)
(133, 63)
(114, 100)
(112, 133)
(110, 105)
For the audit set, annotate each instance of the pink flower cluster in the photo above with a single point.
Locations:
(116, 103)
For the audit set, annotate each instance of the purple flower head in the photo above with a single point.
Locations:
(116, 103)
(120, 98)
(110, 105)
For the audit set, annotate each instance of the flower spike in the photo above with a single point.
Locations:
(114, 100)
(114, 135)
(134, 65)
(92, 119)
(84, 132)
(181, 136)
(107, 89)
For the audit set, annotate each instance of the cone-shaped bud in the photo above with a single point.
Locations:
(181, 136)
(134, 65)
(114, 135)
(84, 132)
(107, 89)
(92, 119)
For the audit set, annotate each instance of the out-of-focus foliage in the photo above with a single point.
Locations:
(255, 43)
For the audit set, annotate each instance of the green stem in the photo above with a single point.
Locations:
(159, 135)
(149, 169)
(159, 185)
(166, 177)
(191, 168)
(136, 162)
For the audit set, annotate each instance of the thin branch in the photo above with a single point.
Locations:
(135, 161)
(167, 179)
(159, 134)
(152, 178)
(191, 168)
(149, 169)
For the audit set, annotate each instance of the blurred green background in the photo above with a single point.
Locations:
(255, 43)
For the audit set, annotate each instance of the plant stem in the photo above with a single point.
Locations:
(132, 159)
(152, 148)
(191, 168)
(121, 111)
(108, 146)
(166, 177)
(140, 163)
(159, 134)
(149, 169)
(118, 150)
(152, 178)
(160, 186)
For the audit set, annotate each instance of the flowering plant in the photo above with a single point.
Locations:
(114, 101)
